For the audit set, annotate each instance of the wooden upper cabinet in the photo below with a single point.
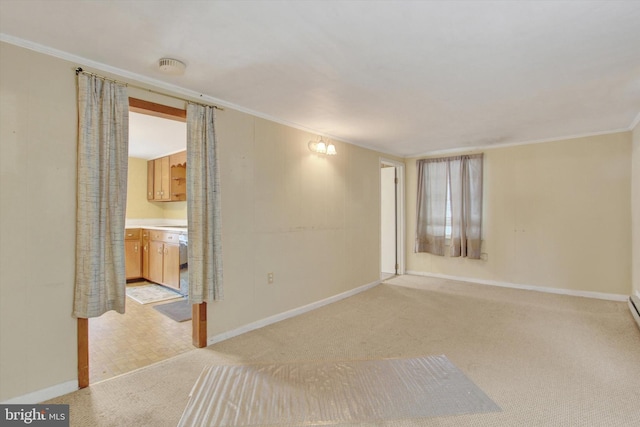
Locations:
(168, 178)
(178, 159)
(161, 179)
(150, 180)
(178, 174)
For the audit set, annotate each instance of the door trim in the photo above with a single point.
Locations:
(83, 352)
(400, 212)
(199, 325)
(199, 339)
(199, 311)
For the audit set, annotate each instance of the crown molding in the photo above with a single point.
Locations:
(171, 89)
(517, 143)
(199, 97)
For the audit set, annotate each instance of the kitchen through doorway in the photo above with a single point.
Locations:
(120, 343)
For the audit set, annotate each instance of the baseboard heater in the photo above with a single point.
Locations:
(634, 305)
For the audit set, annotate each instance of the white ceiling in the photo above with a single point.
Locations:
(151, 137)
(404, 77)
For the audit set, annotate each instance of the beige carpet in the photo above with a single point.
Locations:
(546, 360)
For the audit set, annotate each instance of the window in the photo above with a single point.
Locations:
(449, 205)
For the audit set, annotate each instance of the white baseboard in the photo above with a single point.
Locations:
(44, 394)
(288, 314)
(587, 294)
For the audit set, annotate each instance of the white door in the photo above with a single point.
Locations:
(388, 222)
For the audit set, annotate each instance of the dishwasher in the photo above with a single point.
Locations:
(183, 240)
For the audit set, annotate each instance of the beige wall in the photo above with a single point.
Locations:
(312, 221)
(138, 207)
(556, 215)
(38, 120)
(635, 198)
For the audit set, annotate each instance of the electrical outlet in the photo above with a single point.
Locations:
(270, 278)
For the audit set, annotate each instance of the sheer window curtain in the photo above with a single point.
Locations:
(431, 206)
(463, 174)
(203, 206)
(103, 148)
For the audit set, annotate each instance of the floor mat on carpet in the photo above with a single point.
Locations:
(147, 294)
(326, 393)
(180, 311)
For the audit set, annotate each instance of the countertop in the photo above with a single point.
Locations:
(174, 225)
(175, 228)
(179, 229)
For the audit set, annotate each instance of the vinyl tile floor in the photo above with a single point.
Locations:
(120, 343)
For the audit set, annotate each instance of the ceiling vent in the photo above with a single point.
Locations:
(171, 66)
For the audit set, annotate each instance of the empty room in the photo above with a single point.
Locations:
(299, 213)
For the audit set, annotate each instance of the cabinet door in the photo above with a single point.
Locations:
(156, 256)
(171, 268)
(150, 179)
(133, 259)
(161, 180)
(145, 254)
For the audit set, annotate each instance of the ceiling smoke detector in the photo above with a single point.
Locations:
(171, 66)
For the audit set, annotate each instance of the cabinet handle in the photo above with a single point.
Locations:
(160, 250)
(166, 251)
(135, 248)
(144, 248)
(170, 237)
(129, 234)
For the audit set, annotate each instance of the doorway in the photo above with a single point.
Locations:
(391, 218)
(142, 336)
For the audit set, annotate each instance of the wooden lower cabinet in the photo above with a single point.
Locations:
(132, 254)
(164, 259)
(145, 254)
(171, 265)
(156, 259)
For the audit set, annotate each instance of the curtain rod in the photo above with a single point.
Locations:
(80, 70)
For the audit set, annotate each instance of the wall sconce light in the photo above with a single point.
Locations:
(322, 147)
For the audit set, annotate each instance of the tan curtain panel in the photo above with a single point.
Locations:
(466, 205)
(431, 206)
(203, 206)
(103, 147)
(459, 180)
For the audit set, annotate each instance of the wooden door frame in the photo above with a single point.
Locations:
(198, 339)
(198, 311)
